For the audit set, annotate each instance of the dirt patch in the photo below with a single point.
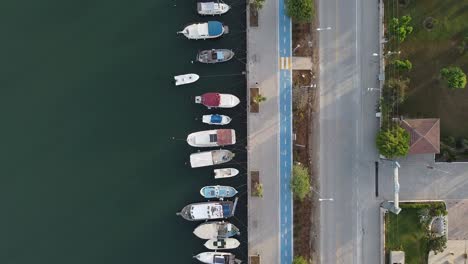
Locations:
(254, 259)
(302, 39)
(254, 180)
(254, 106)
(253, 17)
(305, 126)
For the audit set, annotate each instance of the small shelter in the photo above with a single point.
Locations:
(397, 257)
(424, 135)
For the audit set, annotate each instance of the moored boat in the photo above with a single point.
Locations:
(215, 230)
(226, 243)
(215, 55)
(216, 119)
(212, 8)
(205, 30)
(208, 210)
(225, 173)
(217, 258)
(186, 78)
(218, 191)
(210, 158)
(214, 100)
(212, 138)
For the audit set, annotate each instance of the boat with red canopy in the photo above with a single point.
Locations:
(214, 100)
(212, 138)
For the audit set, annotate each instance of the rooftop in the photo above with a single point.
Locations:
(424, 135)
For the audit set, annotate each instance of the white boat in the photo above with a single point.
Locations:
(217, 258)
(226, 243)
(212, 138)
(214, 100)
(215, 56)
(225, 173)
(218, 192)
(208, 210)
(212, 8)
(216, 230)
(205, 30)
(210, 158)
(216, 119)
(186, 78)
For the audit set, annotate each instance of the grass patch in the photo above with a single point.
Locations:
(430, 50)
(405, 232)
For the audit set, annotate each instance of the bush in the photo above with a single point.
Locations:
(300, 10)
(394, 91)
(257, 4)
(454, 76)
(437, 244)
(403, 65)
(258, 190)
(299, 260)
(400, 28)
(393, 142)
(300, 182)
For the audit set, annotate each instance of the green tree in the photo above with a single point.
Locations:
(436, 244)
(258, 189)
(258, 4)
(300, 10)
(454, 76)
(400, 28)
(393, 142)
(259, 98)
(299, 260)
(300, 182)
(403, 65)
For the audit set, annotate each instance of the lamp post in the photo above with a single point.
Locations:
(370, 89)
(321, 29)
(298, 46)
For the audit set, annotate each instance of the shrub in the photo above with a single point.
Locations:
(436, 244)
(393, 142)
(454, 76)
(258, 4)
(258, 191)
(400, 28)
(299, 260)
(394, 91)
(403, 65)
(300, 10)
(300, 182)
(259, 98)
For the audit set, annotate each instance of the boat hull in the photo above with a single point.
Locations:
(212, 8)
(225, 173)
(210, 158)
(214, 119)
(219, 192)
(216, 258)
(186, 78)
(217, 244)
(206, 30)
(216, 230)
(215, 56)
(212, 138)
(208, 211)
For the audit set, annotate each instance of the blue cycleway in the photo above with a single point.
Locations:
(285, 104)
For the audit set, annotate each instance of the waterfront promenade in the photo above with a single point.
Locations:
(269, 135)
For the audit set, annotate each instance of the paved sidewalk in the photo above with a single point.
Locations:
(301, 63)
(263, 138)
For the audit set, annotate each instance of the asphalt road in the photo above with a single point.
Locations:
(349, 230)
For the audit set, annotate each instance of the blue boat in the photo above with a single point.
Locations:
(206, 30)
(219, 192)
(216, 119)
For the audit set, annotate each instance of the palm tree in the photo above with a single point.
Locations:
(259, 98)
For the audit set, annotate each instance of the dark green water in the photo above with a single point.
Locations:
(88, 170)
